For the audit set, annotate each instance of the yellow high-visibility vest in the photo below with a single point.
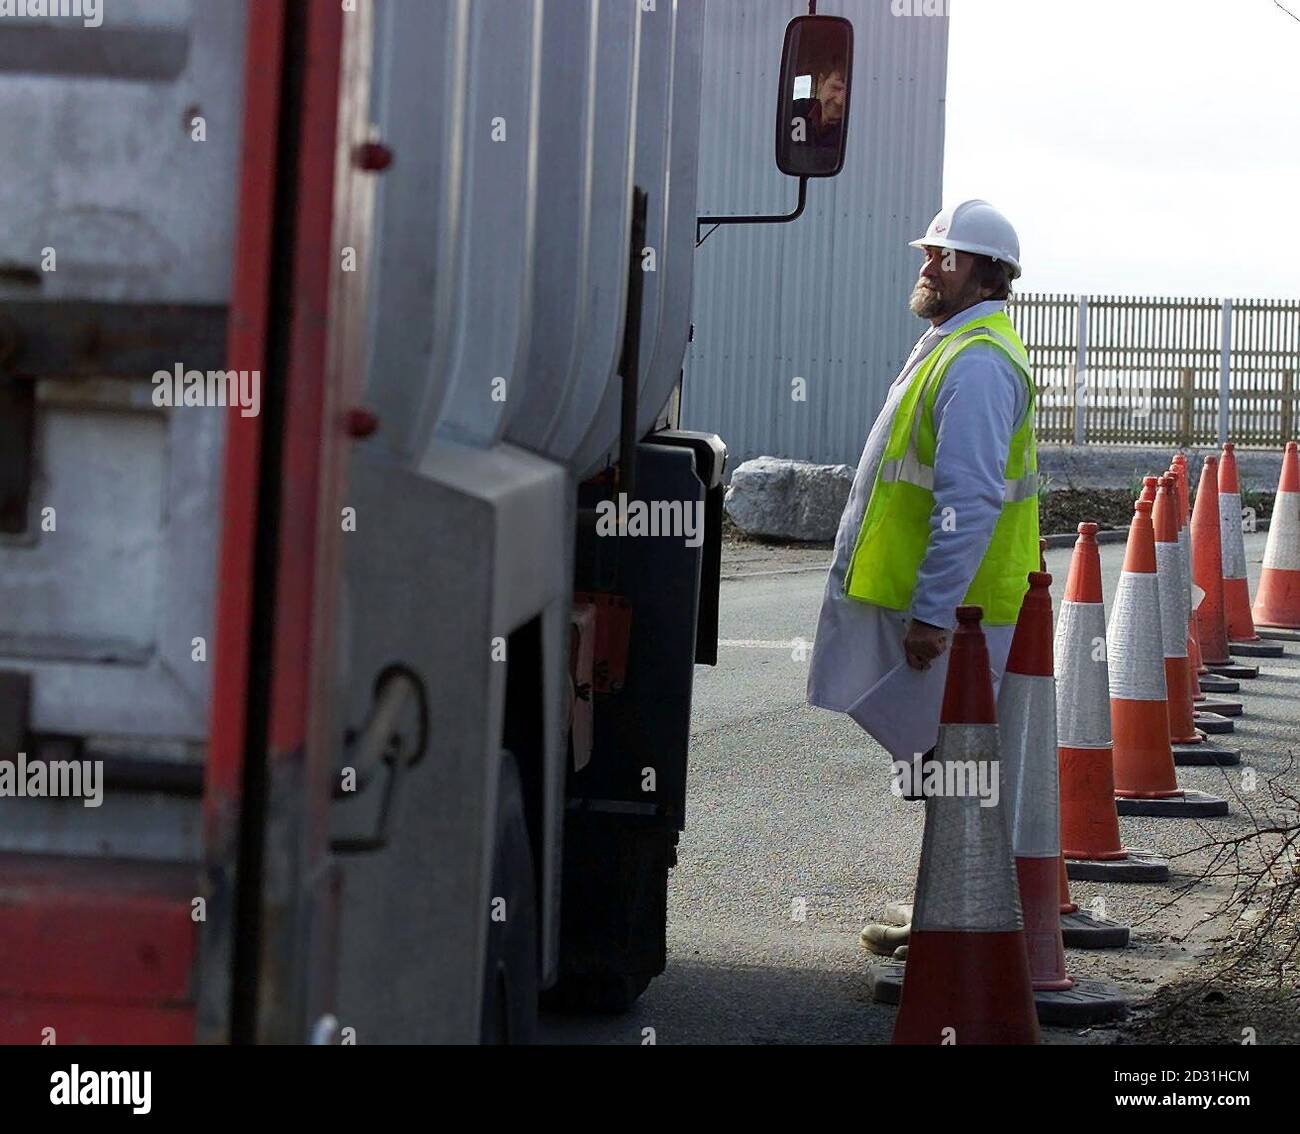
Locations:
(896, 525)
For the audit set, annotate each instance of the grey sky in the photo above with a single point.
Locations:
(1138, 146)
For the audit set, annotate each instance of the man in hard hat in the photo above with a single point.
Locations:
(943, 509)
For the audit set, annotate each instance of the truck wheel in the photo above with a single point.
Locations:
(510, 968)
(599, 994)
(614, 909)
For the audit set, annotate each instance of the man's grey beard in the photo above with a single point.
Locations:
(929, 303)
(926, 301)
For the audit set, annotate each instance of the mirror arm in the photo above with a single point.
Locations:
(777, 218)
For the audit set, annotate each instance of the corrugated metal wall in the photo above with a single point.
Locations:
(824, 297)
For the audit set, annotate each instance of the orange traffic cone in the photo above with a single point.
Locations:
(1145, 781)
(1189, 746)
(1081, 929)
(967, 967)
(1207, 682)
(1178, 469)
(1236, 593)
(1027, 730)
(1210, 713)
(1207, 573)
(1277, 604)
(1242, 638)
(1207, 567)
(1090, 839)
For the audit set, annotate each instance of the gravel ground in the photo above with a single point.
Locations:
(1249, 994)
(1247, 989)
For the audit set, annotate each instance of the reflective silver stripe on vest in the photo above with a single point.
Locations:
(909, 469)
(1021, 489)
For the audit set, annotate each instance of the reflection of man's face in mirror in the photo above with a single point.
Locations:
(830, 93)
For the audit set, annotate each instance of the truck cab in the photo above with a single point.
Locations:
(392, 725)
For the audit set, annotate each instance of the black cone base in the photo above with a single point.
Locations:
(1082, 930)
(1140, 866)
(1232, 670)
(1213, 723)
(1088, 1002)
(1278, 633)
(1205, 755)
(1256, 650)
(1188, 805)
(1213, 683)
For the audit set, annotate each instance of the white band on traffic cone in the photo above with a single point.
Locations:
(1185, 576)
(1134, 642)
(1230, 537)
(966, 882)
(1082, 686)
(1027, 729)
(1173, 618)
(1282, 552)
(1194, 593)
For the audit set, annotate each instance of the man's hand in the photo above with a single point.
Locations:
(923, 643)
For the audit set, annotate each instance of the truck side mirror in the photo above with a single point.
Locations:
(812, 110)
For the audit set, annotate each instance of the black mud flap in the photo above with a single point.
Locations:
(710, 465)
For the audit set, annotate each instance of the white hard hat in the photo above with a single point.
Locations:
(974, 226)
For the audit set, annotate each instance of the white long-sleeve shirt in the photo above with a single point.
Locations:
(858, 665)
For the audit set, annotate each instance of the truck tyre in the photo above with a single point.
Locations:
(510, 971)
(598, 994)
(614, 907)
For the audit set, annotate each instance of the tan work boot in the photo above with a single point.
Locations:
(884, 939)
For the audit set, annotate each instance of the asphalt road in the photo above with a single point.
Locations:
(789, 811)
